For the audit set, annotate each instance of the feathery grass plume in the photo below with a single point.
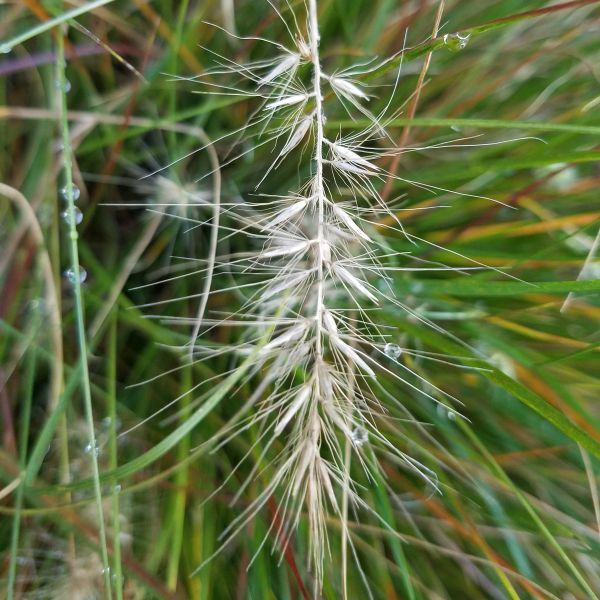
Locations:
(312, 284)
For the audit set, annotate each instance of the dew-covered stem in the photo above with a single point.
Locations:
(77, 291)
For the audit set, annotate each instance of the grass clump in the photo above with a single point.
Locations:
(318, 278)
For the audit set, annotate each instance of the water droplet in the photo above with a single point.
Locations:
(117, 488)
(446, 412)
(88, 449)
(5, 49)
(392, 350)
(71, 276)
(76, 213)
(359, 436)
(66, 85)
(456, 41)
(75, 192)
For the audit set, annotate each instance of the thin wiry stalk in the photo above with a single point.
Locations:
(313, 32)
(51, 299)
(24, 434)
(75, 281)
(214, 236)
(113, 460)
(414, 101)
(319, 190)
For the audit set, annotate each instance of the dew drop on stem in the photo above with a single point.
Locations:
(76, 213)
(88, 449)
(5, 49)
(66, 85)
(446, 412)
(456, 41)
(75, 192)
(71, 275)
(392, 351)
(359, 436)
